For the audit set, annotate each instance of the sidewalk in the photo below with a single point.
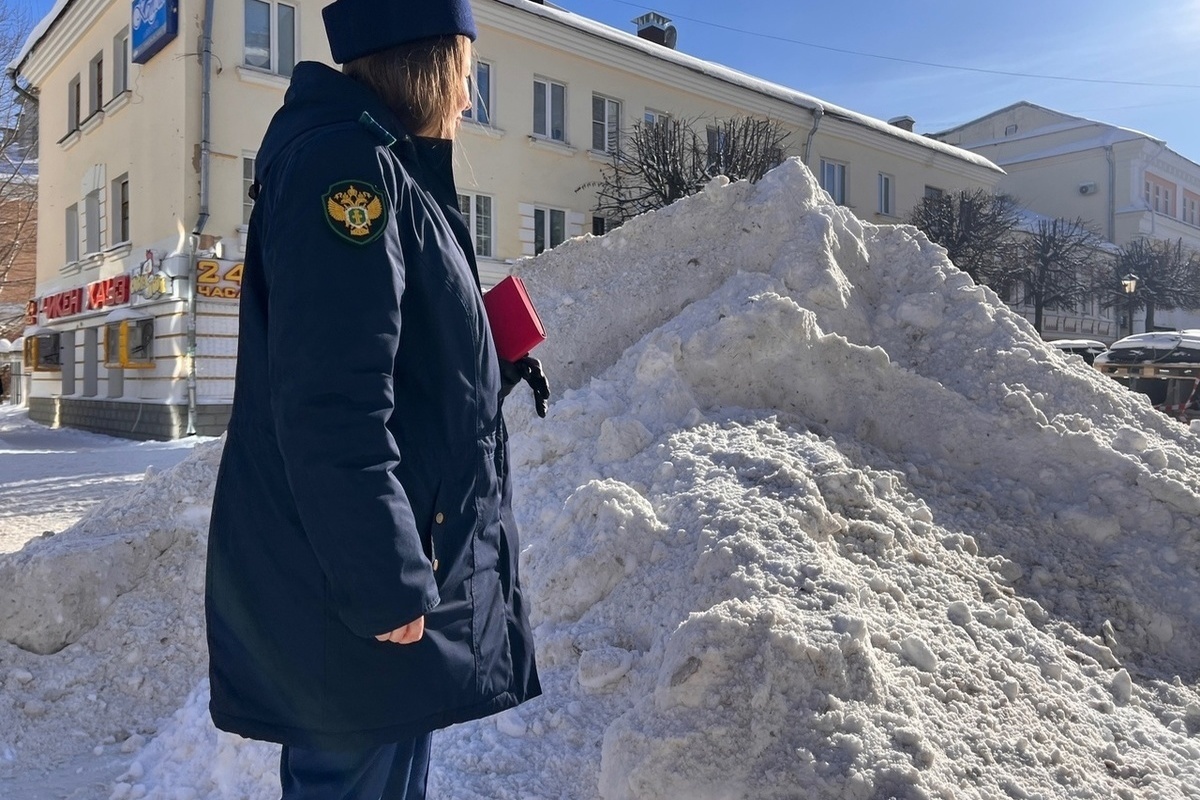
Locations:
(49, 477)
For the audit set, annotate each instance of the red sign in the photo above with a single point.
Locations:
(108, 292)
(63, 304)
(100, 294)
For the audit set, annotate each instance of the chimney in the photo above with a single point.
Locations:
(904, 123)
(654, 27)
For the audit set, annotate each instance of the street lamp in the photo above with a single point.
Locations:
(1129, 285)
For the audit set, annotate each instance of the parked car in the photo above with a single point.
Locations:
(1088, 348)
(1164, 366)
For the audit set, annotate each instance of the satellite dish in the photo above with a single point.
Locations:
(670, 36)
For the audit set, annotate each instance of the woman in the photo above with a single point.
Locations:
(362, 568)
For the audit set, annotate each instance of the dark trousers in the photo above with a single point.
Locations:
(391, 772)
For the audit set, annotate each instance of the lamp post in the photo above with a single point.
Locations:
(1129, 285)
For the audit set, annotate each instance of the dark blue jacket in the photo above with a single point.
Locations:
(364, 478)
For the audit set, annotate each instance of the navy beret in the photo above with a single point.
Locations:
(357, 28)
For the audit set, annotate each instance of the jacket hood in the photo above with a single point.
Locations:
(319, 96)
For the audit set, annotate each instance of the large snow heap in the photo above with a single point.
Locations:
(812, 515)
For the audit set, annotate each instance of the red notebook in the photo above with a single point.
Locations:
(516, 327)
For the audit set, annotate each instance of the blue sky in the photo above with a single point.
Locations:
(1152, 42)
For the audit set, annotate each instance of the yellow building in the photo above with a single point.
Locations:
(1127, 184)
(151, 113)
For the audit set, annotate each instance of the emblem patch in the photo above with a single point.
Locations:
(355, 211)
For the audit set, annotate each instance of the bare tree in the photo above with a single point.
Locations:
(1053, 264)
(18, 182)
(1168, 277)
(975, 227)
(661, 162)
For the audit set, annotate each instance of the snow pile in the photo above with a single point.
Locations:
(817, 517)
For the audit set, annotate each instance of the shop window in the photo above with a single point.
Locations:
(129, 344)
(43, 352)
(247, 183)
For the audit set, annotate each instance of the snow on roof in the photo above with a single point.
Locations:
(35, 35)
(1070, 121)
(741, 79)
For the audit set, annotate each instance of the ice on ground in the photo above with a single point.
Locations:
(812, 515)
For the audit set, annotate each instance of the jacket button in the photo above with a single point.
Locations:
(439, 518)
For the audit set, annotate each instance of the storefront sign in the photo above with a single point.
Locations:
(63, 304)
(155, 23)
(148, 281)
(95, 296)
(219, 280)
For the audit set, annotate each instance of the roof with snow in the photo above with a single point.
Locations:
(708, 68)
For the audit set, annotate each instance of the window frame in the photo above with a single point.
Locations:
(121, 63)
(74, 104)
(249, 160)
(481, 111)
(652, 116)
(37, 356)
(120, 231)
(610, 130)
(839, 170)
(71, 231)
(887, 194)
(95, 84)
(543, 232)
(273, 37)
(93, 211)
(547, 121)
(119, 337)
(473, 216)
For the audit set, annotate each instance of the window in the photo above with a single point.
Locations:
(270, 42)
(129, 344)
(1158, 196)
(121, 62)
(477, 211)
(599, 226)
(73, 104)
(606, 124)
(91, 222)
(247, 182)
(120, 199)
(887, 194)
(1189, 214)
(481, 94)
(43, 351)
(652, 117)
(715, 159)
(550, 110)
(71, 232)
(96, 83)
(549, 228)
(833, 180)
(933, 193)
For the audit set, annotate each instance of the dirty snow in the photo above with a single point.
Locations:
(812, 515)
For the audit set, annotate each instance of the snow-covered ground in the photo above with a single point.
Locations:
(811, 516)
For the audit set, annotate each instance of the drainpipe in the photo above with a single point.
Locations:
(1112, 192)
(28, 95)
(817, 113)
(202, 220)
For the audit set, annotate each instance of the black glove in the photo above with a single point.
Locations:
(526, 369)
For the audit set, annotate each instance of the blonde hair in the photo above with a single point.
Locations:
(421, 82)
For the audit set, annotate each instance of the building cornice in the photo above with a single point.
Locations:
(555, 28)
(62, 35)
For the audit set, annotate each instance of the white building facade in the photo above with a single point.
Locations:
(151, 113)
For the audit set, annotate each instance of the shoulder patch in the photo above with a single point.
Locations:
(355, 210)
